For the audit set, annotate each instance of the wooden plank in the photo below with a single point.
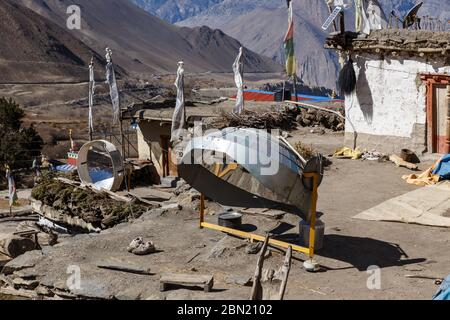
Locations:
(117, 197)
(88, 187)
(274, 282)
(205, 281)
(264, 212)
(122, 267)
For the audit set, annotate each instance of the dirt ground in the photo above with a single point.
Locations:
(350, 246)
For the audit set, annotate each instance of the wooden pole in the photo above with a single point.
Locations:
(294, 80)
(257, 288)
(122, 138)
(202, 210)
(90, 92)
(342, 22)
(312, 230)
(448, 118)
(285, 269)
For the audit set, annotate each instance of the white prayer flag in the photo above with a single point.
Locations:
(12, 192)
(91, 95)
(179, 115)
(113, 91)
(375, 14)
(369, 16)
(238, 69)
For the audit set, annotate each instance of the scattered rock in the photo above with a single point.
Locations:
(25, 284)
(239, 280)
(169, 182)
(190, 199)
(318, 130)
(25, 261)
(43, 291)
(254, 248)
(225, 245)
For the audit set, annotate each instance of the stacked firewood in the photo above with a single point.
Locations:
(284, 118)
(313, 117)
(273, 119)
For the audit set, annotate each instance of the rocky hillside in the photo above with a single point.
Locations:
(37, 50)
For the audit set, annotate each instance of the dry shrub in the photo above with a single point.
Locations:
(307, 152)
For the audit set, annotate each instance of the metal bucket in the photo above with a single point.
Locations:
(231, 220)
(304, 234)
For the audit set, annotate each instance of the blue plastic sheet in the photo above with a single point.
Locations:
(443, 168)
(444, 291)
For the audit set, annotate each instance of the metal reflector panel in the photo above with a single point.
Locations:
(259, 171)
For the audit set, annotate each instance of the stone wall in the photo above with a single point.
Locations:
(388, 107)
(149, 141)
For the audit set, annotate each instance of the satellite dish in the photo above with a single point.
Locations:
(411, 16)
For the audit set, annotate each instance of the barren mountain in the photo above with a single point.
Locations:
(175, 10)
(37, 50)
(260, 25)
(143, 43)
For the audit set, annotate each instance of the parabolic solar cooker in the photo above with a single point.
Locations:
(250, 168)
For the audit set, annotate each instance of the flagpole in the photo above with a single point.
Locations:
(294, 80)
(114, 93)
(90, 99)
(294, 76)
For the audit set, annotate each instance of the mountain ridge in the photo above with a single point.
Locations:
(144, 44)
(260, 25)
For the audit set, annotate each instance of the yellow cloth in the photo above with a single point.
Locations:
(348, 153)
(426, 178)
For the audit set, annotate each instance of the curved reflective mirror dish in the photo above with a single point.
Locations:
(100, 165)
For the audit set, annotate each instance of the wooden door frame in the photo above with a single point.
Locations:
(431, 81)
(165, 150)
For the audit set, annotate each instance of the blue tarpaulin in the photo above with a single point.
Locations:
(444, 291)
(66, 168)
(443, 168)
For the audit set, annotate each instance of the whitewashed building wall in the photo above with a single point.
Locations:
(388, 107)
